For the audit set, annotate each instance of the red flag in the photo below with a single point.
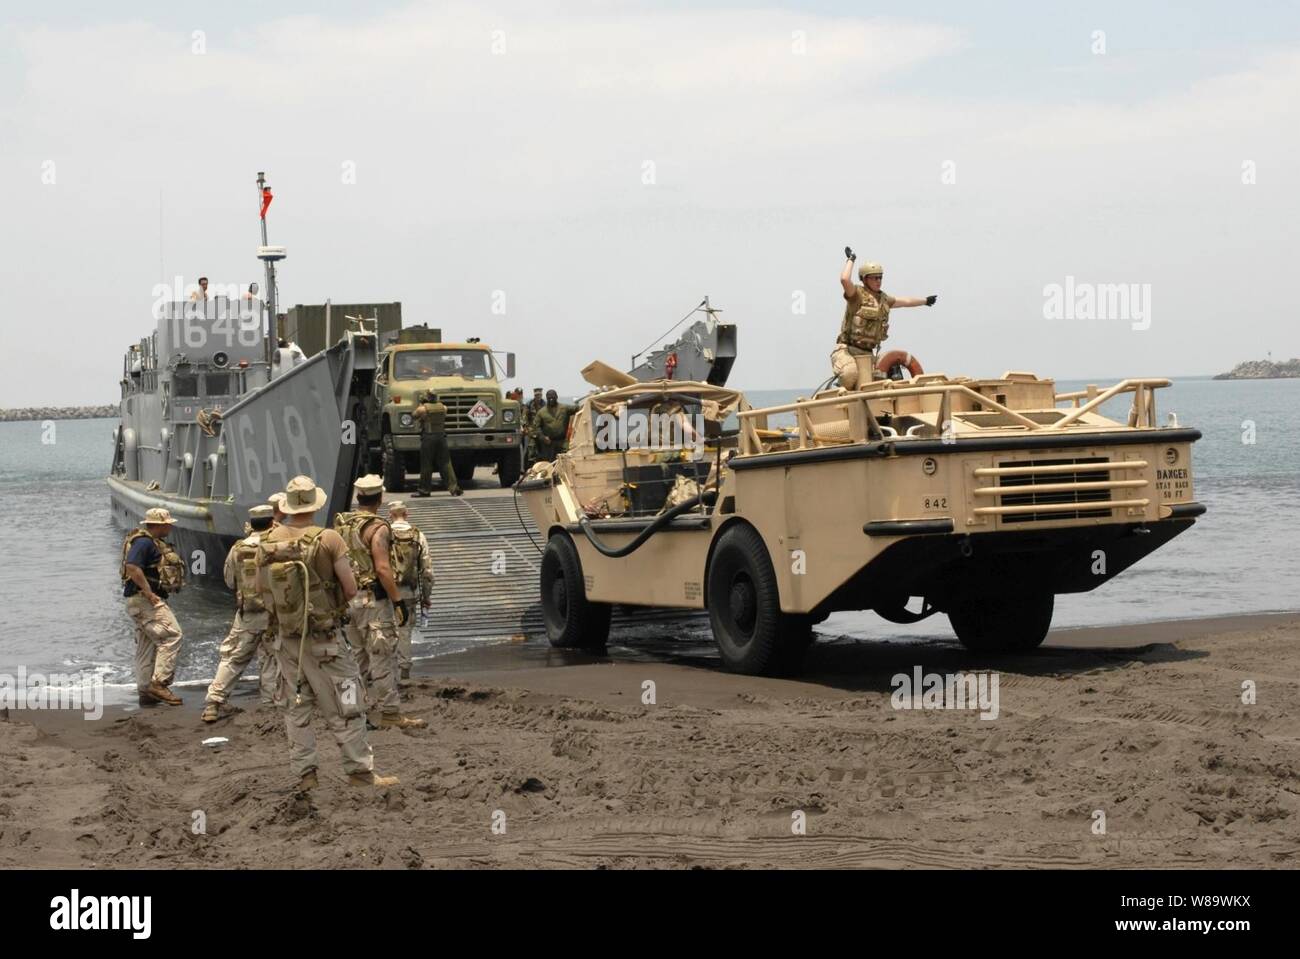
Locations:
(266, 200)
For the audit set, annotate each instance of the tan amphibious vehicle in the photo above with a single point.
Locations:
(981, 498)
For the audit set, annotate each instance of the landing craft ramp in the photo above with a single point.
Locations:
(486, 570)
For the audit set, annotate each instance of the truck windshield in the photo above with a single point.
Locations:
(426, 364)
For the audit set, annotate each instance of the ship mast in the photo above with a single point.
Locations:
(268, 255)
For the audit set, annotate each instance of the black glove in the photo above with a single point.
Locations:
(401, 614)
(850, 254)
(929, 300)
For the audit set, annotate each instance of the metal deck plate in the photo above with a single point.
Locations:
(486, 570)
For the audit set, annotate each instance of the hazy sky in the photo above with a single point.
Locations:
(508, 147)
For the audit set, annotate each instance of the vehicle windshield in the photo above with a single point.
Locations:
(426, 364)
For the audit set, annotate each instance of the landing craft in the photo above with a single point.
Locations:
(217, 413)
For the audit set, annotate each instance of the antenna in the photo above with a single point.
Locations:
(704, 305)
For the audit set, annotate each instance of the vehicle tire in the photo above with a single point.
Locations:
(572, 620)
(509, 469)
(394, 468)
(464, 468)
(991, 623)
(753, 635)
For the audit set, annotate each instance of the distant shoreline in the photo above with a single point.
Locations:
(58, 413)
(1263, 370)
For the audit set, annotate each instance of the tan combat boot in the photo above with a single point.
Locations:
(161, 694)
(214, 711)
(308, 781)
(398, 721)
(371, 779)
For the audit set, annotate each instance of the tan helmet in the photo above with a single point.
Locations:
(870, 269)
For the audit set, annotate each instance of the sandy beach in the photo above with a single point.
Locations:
(535, 757)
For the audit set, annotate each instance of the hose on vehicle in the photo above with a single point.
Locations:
(706, 497)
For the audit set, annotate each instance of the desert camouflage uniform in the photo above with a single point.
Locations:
(412, 594)
(320, 673)
(865, 327)
(250, 634)
(157, 633)
(371, 630)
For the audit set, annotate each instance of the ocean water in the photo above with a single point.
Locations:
(59, 549)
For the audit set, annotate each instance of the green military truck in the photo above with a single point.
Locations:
(482, 425)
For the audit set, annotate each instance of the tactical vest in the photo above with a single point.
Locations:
(350, 526)
(250, 600)
(868, 326)
(406, 554)
(171, 568)
(291, 588)
(435, 417)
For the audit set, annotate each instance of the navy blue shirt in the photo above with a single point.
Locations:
(145, 554)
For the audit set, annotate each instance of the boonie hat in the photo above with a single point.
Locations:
(158, 517)
(302, 495)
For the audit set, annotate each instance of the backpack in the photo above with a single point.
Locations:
(250, 599)
(406, 554)
(350, 526)
(171, 568)
(290, 587)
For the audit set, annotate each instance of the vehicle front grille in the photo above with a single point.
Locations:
(1051, 490)
(458, 407)
(1055, 496)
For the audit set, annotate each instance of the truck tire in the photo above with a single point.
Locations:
(753, 635)
(987, 622)
(509, 469)
(393, 466)
(572, 620)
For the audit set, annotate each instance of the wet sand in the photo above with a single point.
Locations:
(1144, 723)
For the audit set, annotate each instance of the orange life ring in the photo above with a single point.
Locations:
(901, 358)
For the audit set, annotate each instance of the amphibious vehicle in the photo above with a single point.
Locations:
(980, 498)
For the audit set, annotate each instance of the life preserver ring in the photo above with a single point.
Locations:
(895, 358)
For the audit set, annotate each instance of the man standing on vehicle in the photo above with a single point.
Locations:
(866, 317)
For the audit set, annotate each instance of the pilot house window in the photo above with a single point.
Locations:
(217, 384)
(185, 384)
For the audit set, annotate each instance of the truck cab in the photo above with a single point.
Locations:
(483, 427)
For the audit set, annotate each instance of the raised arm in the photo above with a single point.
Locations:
(846, 274)
(913, 301)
